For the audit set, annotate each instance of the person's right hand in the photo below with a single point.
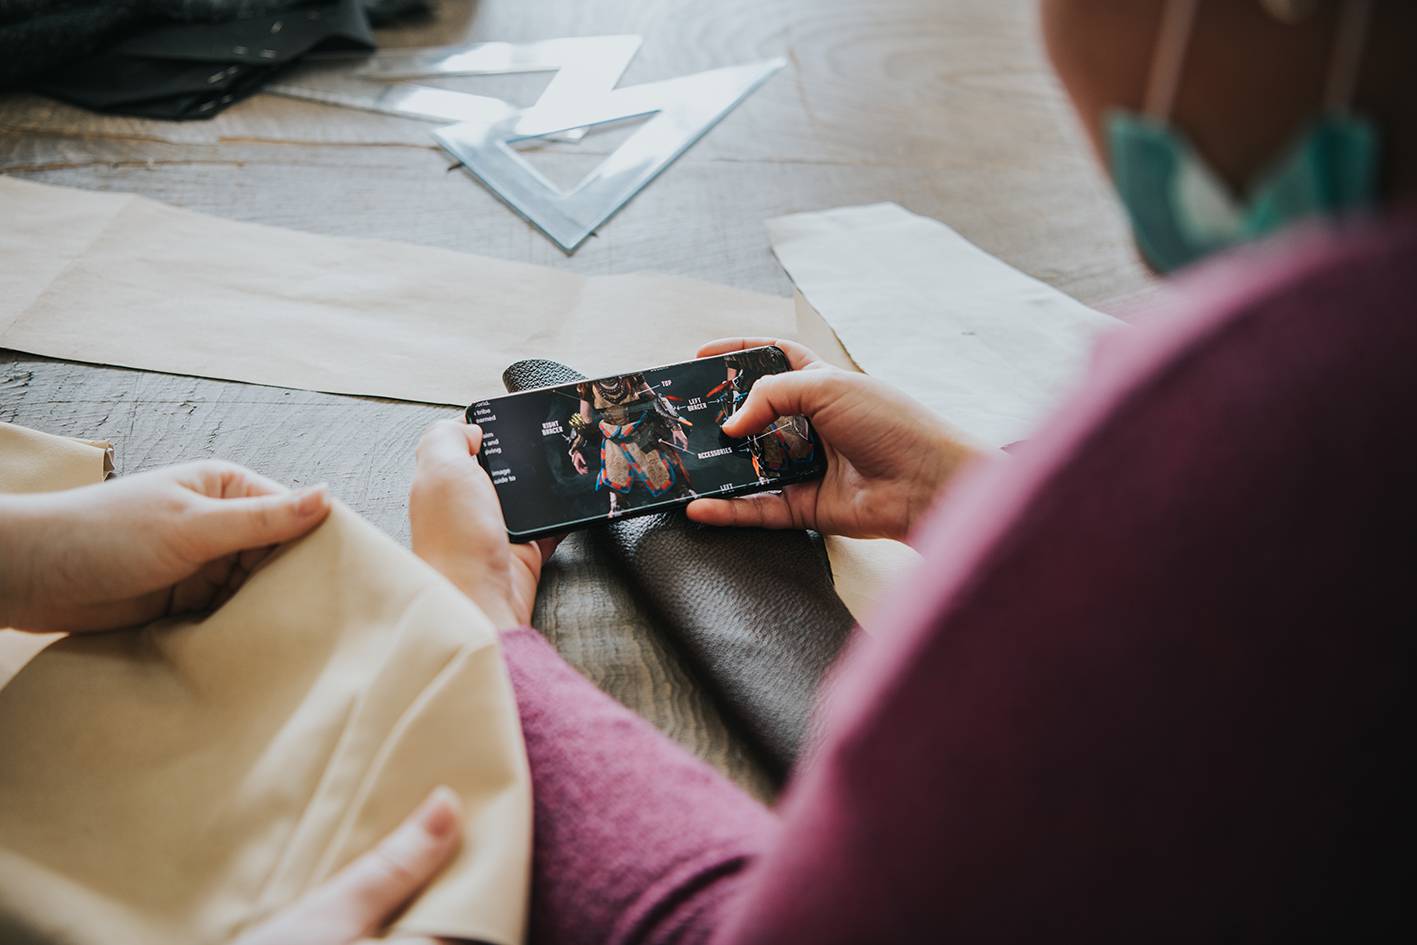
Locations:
(887, 455)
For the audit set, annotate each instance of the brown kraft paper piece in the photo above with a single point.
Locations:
(119, 279)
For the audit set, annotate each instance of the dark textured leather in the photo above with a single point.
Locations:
(753, 611)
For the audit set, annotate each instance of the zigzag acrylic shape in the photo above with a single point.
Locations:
(579, 63)
(683, 110)
(581, 96)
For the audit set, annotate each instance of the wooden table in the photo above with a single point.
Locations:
(944, 106)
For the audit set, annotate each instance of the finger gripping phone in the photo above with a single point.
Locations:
(573, 455)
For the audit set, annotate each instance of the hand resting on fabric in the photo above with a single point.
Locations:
(888, 456)
(362, 897)
(184, 539)
(118, 554)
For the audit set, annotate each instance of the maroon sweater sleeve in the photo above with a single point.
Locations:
(635, 840)
(1149, 684)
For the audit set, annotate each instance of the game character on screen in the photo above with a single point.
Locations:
(641, 434)
(785, 446)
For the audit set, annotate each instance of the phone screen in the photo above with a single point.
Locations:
(573, 455)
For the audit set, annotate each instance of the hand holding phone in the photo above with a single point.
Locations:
(887, 455)
(457, 527)
(575, 454)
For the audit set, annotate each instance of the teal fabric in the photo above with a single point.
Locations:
(1181, 213)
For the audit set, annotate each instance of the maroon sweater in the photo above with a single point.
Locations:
(1146, 685)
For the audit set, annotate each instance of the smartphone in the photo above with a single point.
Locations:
(574, 455)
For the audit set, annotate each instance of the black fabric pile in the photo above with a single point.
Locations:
(174, 59)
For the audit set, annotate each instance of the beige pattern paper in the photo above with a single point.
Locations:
(990, 349)
(119, 279)
(863, 569)
(176, 782)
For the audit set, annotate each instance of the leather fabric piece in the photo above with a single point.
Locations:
(753, 611)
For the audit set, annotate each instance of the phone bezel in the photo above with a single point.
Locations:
(668, 504)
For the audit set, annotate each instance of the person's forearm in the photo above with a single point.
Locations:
(18, 523)
(35, 530)
(635, 839)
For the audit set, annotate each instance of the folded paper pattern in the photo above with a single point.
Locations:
(176, 782)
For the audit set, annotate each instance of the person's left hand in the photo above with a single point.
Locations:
(117, 554)
(458, 527)
(362, 897)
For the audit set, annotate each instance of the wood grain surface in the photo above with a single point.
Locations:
(944, 106)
